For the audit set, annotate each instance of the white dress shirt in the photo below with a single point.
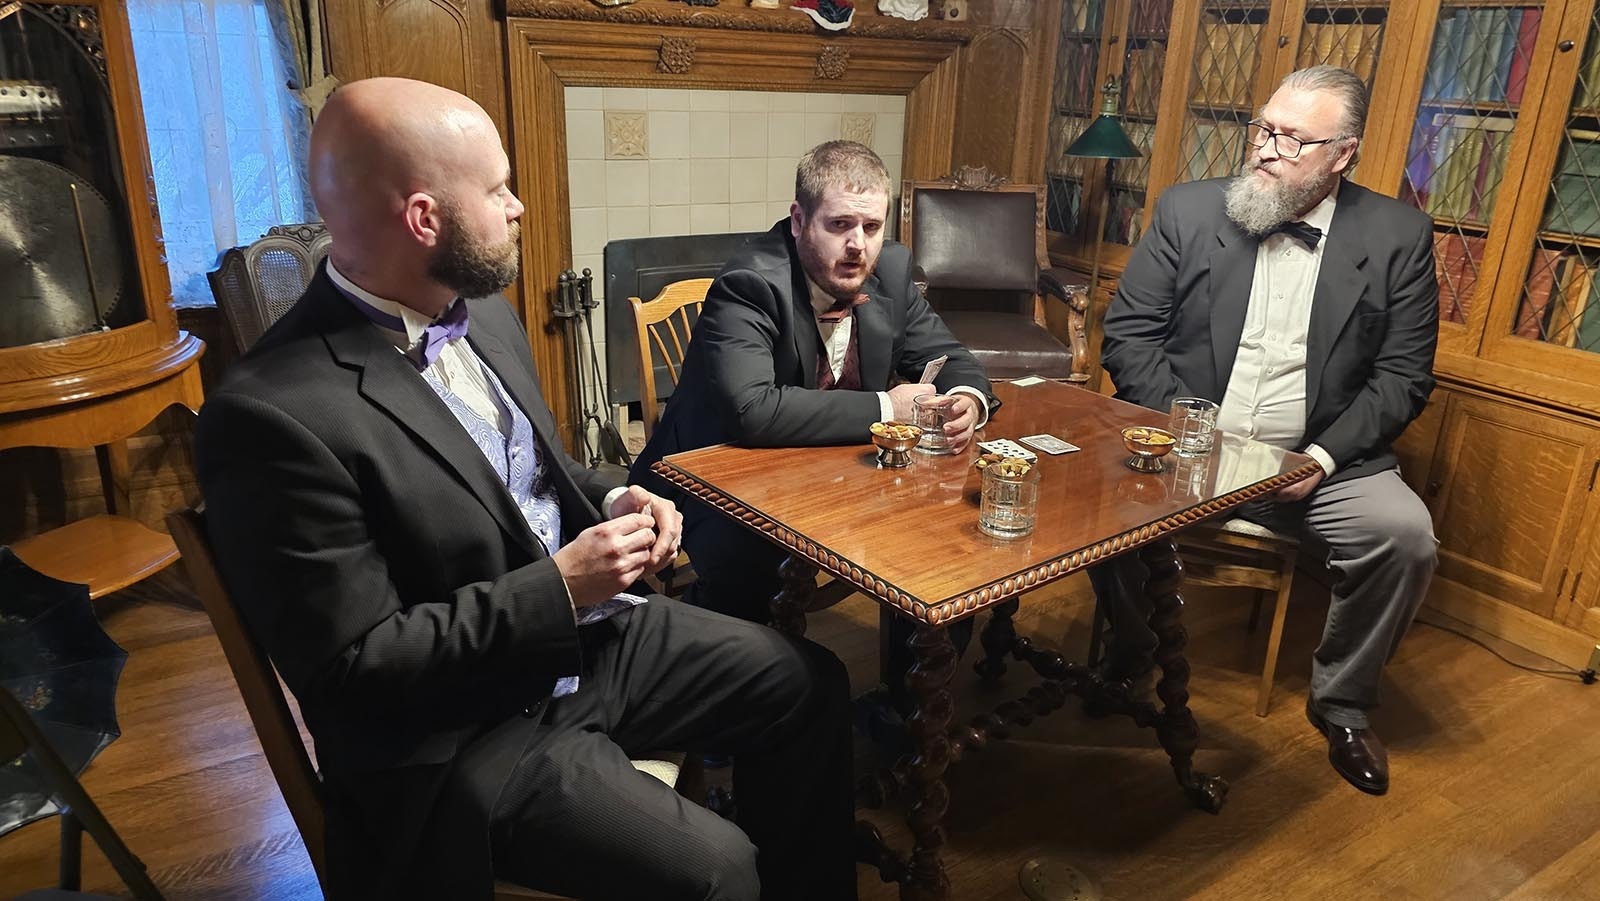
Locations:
(1266, 395)
(836, 344)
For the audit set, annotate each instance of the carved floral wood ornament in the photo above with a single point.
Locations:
(832, 61)
(976, 178)
(676, 55)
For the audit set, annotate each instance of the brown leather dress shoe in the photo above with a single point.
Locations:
(1356, 754)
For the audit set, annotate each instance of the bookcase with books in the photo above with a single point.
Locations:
(1504, 154)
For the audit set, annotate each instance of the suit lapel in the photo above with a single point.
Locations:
(803, 322)
(1232, 271)
(389, 382)
(873, 337)
(1340, 286)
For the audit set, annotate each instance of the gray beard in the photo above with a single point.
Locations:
(1257, 210)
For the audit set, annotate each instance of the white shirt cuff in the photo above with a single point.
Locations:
(977, 398)
(885, 407)
(611, 498)
(1323, 459)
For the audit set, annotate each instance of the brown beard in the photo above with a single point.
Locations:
(472, 268)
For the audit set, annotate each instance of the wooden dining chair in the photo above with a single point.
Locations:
(664, 324)
(256, 284)
(1237, 553)
(268, 707)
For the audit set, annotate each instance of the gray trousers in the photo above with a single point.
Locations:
(1376, 536)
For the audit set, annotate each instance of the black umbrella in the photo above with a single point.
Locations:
(63, 667)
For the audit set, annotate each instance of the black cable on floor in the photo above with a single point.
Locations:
(1587, 676)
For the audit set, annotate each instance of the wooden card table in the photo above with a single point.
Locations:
(909, 539)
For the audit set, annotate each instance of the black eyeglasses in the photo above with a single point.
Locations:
(1288, 146)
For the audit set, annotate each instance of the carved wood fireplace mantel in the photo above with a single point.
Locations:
(555, 44)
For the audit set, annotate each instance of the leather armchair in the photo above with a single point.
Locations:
(978, 242)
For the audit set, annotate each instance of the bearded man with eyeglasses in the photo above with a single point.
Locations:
(1307, 307)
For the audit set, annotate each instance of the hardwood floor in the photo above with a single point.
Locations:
(1496, 774)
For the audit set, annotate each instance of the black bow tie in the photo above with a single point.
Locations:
(1308, 235)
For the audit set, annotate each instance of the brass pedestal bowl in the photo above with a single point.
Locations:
(895, 441)
(1148, 445)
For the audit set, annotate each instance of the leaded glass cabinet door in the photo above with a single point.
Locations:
(1343, 33)
(1547, 317)
(1075, 99)
(1144, 60)
(1475, 111)
(1124, 41)
(1222, 93)
(1370, 38)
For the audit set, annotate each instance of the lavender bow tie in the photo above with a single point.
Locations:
(447, 328)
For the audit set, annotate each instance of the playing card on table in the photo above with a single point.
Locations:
(1050, 444)
(931, 371)
(1005, 447)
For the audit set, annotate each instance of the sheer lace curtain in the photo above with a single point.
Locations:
(227, 134)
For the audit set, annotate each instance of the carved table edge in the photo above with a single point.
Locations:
(947, 611)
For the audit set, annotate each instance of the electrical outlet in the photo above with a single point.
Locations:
(1594, 658)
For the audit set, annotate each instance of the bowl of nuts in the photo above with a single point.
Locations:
(1148, 445)
(895, 441)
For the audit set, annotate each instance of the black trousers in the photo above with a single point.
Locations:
(577, 819)
(736, 573)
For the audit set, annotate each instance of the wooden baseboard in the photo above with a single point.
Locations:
(1591, 622)
(1569, 647)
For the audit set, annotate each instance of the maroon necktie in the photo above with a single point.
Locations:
(842, 308)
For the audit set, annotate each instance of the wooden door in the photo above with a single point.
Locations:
(1509, 491)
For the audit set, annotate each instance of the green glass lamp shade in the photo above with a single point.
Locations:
(1104, 139)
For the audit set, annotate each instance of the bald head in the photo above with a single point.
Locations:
(392, 162)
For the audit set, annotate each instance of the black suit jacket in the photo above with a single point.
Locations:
(390, 576)
(750, 373)
(1173, 328)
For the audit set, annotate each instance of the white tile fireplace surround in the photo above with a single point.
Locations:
(650, 162)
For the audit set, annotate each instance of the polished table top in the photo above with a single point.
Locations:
(910, 537)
